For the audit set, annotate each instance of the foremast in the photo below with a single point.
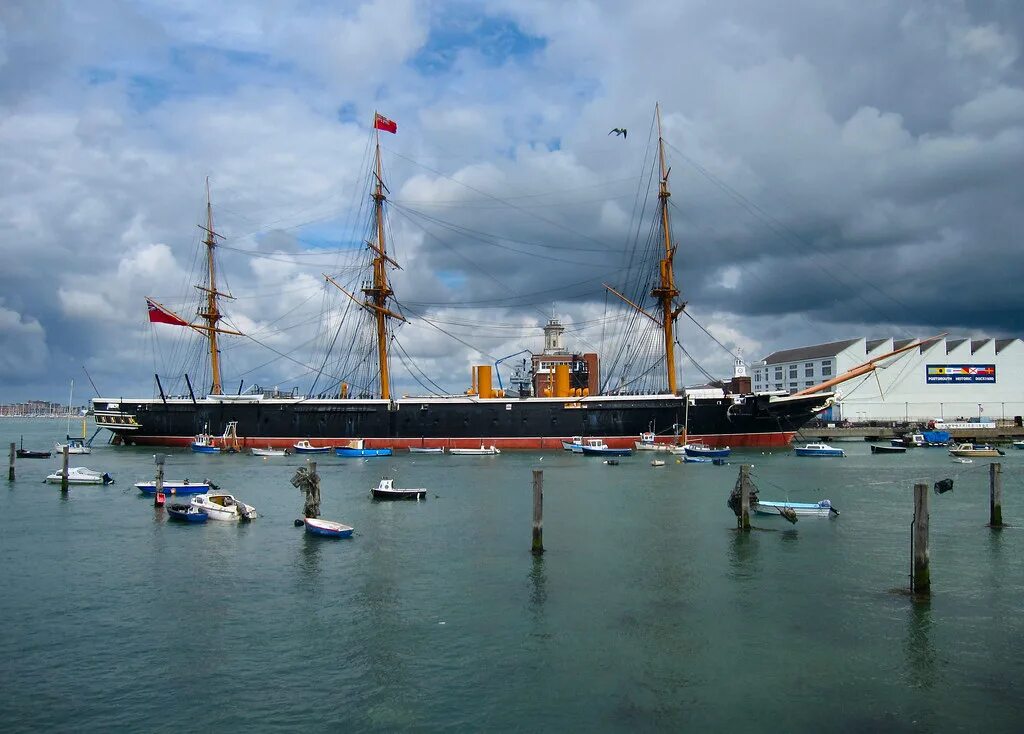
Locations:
(212, 315)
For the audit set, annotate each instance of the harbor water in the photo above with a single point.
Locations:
(648, 611)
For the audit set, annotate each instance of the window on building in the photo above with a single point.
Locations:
(809, 383)
(792, 371)
(778, 385)
(778, 373)
(826, 367)
(808, 370)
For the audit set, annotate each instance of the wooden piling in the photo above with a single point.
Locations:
(538, 511)
(10, 471)
(921, 580)
(743, 519)
(158, 496)
(64, 471)
(995, 495)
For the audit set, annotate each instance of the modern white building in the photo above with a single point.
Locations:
(940, 379)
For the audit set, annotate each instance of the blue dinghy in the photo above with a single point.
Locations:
(326, 528)
(186, 513)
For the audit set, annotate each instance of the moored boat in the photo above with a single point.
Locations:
(1018, 444)
(174, 486)
(597, 447)
(700, 449)
(649, 442)
(305, 447)
(326, 528)
(823, 508)
(203, 444)
(425, 450)
(575, 444)
(818, 449)
(74, 446)
(357, 448)
(223, 506)
(269, 452)
(972, 449)
(482, 451)
(875, 449)
(186, 513)
(387, 490)
(80, 475)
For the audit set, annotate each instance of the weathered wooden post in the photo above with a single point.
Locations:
(64, 471)
(538, 511)
(158, 496)
(995, 494)
(921, 580)
(10, 471)
(743, 519)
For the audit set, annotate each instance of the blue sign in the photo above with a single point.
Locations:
(939, 374)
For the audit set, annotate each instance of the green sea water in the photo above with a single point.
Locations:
(647, 612)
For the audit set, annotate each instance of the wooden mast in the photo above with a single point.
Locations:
(379, 291)
(666, 290)
(212, 314)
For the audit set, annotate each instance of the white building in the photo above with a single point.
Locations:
(942, 378)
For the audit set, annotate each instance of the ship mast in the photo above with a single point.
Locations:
(212, 315)
(666, 290)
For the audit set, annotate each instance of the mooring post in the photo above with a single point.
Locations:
(538, 511)
(921, 582)
(10, 471)
(64, 471)
(158, 496)
(743, 521)
(995, 493)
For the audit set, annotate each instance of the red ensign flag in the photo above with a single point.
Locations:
(159, 315)
(382, 123)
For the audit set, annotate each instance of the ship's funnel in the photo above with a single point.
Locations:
(483, 381)
(562, 380)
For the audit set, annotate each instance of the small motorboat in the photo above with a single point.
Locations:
(575, 445)
(823, 508)
(172, 486)
(326, 528)
(818, 449)
(387, 490)
(611, 462)
(657, 462)
(910, 441)
(269, 452)
(648, 442)
(958, 460)
(888, 449)
(698, 459)
(425, 450)
(74, 446)
(186, 513)
(23, 453)
(305, 447)
(973, 449)
(356, 448)
(223, 506)
(1018, 444)
(597, 447)
(482, 451)
(696, 448)
(204, 444)
(80, 475)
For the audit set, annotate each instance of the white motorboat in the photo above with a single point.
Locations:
(223, 506)
(74, 445)
(80, 475)
(269, 452)
(575, 444)
(387, 490)
(973, 449)
(823, 508)
(425, 450)
(482, 451)
(648, 442)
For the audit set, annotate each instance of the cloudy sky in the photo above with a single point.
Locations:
(838, 169)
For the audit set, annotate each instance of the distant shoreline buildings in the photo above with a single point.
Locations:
(40, 409)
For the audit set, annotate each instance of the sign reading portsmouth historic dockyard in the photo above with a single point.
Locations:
(960, 373)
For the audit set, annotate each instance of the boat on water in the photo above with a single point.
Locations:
(23, 453)
(1018, 444)
(74, 446)
(387, 490)
(223, 506)
(875, 449)
(358, 448)
(305, 447)
(575, 445)
(961, 460)
(818, 449)
(203, 443)
(936, 438)
(975, 450)
(649, 442)
(823, 508)
(909, 441)
(728, 414)
(425, 450)
(268, 452)
(700, 449)
(186, 513)
(657, 462)
(482, 451)
(326, 528)
(176, 486)
(597, 447)
(80, 475)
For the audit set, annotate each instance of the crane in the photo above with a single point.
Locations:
(502, 359)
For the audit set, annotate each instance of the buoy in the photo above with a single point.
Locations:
(160, 499)
(299, 523)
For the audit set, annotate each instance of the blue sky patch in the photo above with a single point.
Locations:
(496, 40)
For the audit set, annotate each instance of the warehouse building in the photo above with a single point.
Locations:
(943, 378)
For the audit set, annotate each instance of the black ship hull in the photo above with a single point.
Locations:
(460, 422)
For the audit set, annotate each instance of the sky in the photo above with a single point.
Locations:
(838, 169)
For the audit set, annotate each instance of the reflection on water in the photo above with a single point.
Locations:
(309, 555)
(920, 655)
(743, 556)
(538, 585)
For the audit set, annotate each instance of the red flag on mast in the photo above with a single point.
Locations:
(160, 315)
(382, 123)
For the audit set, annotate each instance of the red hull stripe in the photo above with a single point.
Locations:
(531, 443)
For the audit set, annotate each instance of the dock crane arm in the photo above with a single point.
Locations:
(502, 359)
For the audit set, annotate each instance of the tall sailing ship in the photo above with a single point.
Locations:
(730, 415)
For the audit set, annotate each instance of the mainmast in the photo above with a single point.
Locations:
(666, 290)
(212, 314)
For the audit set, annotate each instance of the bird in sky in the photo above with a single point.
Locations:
(618, 131)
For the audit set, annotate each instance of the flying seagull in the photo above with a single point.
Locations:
(618, 131)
